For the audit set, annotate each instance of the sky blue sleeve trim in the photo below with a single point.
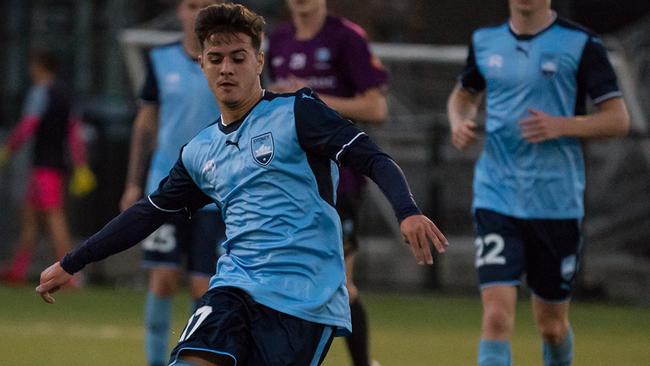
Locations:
(204, 350)
(162, 209)
(610, 95)
(324, 340)
(338, 154)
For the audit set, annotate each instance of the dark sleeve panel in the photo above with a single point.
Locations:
(471, 78)
(595, 73)
(365, 157)
(321, 130)
(149, 92)
(123, 232)
(177, 194)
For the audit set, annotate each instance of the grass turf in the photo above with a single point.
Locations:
(102, 326)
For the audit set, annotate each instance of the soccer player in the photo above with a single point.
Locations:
(47, 118)
(330, 55)
(535, 71)
(269, 163)
(176, 104)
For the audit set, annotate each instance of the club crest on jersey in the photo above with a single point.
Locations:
(262, 148)
(548, 65)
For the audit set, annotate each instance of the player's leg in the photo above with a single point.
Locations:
(497, 324)
(162, 258)
(358, 345)
(552, 320)
(16, 272)
(552, 266)
(500, 262)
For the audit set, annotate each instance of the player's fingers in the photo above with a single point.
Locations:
(424, 247)
(48, 298)
(438, 242)
(415, 247)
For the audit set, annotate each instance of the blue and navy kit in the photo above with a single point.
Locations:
(273, 175)
(177, 85)
(552, 71)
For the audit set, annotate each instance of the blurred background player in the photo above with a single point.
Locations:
(48, 119)
(176, 104)
(536, 71)
(331, 55)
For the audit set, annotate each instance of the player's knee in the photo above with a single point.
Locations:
(498, 321)
(553, 331)
(163, 284)
(199, 286)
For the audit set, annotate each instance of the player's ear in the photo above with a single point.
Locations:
(200, 59)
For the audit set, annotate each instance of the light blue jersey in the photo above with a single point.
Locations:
(284, 241)
(551, 71)
(273, 175)
(186, 105)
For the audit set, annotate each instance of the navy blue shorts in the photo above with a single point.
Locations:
(228, 323)
(196, 241)
(546, 251)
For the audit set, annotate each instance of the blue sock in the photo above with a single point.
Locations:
(157, 318)
(561, 354)
(494, 353)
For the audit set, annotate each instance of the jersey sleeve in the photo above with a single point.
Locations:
(324, 132)
(177, 192)
(471, 78)
(362, 67)
(595, 73)
(149, 92)
(176, 195)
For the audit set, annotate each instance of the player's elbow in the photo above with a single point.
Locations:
(622, 124)
(379, 113)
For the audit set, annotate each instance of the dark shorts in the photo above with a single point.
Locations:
(347, 207)
(546, 251)
(196, 240)
(230, 324)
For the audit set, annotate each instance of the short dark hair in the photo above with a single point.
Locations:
(231, 19)
(44, 58)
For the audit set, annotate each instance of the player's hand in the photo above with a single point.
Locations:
(418, 231)
(131, 195)
(5, 154)
(52, 278)
(463, 133)
(83, 181)
(539, 126)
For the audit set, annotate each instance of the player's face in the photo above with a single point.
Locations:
(527, 7)
(232, 67)
(305, 7)
(187, 11)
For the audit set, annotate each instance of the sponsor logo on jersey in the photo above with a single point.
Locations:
(298, 61)
(262, 148)
(495, 61)
(277, 61)
(548, 65)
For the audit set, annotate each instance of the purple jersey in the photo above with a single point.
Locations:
(336, 62)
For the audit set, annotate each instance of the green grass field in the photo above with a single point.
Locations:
(97, 326)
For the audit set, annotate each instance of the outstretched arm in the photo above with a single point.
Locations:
(177, 194)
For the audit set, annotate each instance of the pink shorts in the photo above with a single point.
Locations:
(45, 189)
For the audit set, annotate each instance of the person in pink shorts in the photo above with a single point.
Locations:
(46, 119)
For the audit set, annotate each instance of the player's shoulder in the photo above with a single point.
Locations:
(489, 31)
(282, 31)
(574, 27)
(166, 49)
(345, 27)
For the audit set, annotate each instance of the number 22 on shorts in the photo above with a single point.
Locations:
(489, 249)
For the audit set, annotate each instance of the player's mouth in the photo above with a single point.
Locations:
(227, 84)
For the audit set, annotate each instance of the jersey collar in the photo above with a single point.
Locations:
(526, 37)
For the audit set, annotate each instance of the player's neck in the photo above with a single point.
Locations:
(308, 25)
(233, 113)
(531, 23)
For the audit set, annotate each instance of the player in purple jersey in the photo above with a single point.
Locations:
(331, 55)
